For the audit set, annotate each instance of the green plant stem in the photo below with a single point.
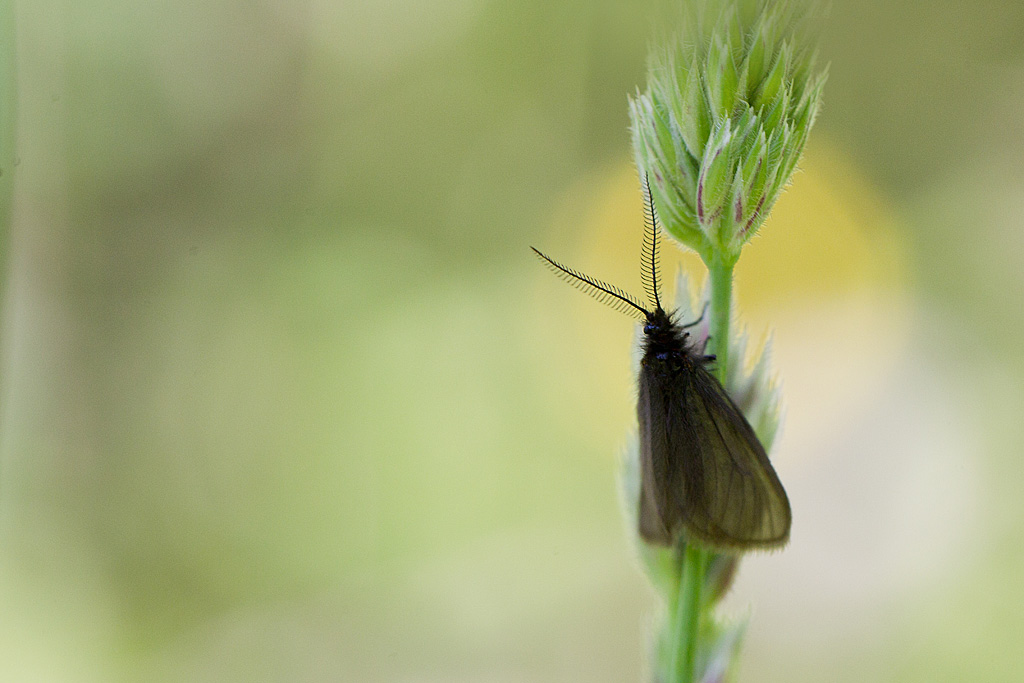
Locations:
(720, 314)
(690, 606)
(8, 113)
(686, 625)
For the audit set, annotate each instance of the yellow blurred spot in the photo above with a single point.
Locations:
(826, 276)
(828, 235)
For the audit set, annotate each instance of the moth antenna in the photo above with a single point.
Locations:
(649, 256)
(602, 291)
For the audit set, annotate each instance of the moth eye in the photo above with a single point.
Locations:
(648, 328)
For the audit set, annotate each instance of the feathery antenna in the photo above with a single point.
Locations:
(602, 291)
(649, 257)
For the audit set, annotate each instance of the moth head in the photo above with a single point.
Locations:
(656, 321)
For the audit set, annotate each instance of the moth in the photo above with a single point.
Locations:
(705, 477)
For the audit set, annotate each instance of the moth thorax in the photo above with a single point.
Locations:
(662, 337)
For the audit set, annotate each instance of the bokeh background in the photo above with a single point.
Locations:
(285, 396)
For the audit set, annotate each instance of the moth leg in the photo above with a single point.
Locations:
(705, 346)
(698, 320)
(707, 357)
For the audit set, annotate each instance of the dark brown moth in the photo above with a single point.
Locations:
(705, 477)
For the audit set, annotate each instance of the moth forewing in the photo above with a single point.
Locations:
(658, 514)
(744, 502)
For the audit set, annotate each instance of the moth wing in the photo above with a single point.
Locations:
(731, 495)
(660, 513)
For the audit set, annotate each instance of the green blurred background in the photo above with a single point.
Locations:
(285, 396)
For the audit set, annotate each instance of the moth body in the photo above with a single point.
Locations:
(705, 477)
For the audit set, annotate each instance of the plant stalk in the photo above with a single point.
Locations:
(720, 314)
(690, 604)
(689, 607)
